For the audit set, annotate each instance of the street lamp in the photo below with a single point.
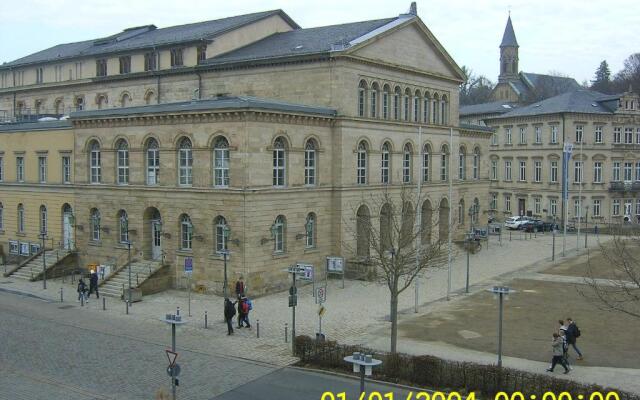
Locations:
(43, 235)
(364, 364)
(586, 225)
(501, 292)
(468, 241)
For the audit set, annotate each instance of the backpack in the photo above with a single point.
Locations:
(577, 331)
(250, 304)
(245, 307)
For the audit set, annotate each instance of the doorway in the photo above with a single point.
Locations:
(68, 242)
(521, 207)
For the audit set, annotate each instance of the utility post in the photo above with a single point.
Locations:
(293, 301)
(586, 226)
(44, 261)
(129, 265)
(174, 369)
(501, 292)
(469, 240)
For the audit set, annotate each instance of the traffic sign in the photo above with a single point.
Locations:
(171, 355)
(173, 371)
(293, 300)
(321, 294)
(188, 265)
(321, 311)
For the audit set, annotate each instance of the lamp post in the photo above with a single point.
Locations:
(586, 226)
(43, 235)
(226, 232)
(468, 241)
(501, 292)
(553, 235)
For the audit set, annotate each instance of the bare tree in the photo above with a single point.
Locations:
(616, 287)
(399, 247)
(475, 89)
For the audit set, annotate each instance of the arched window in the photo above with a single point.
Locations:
(363, 231)
(222, 230)
(406, 109)
(397, 94)
(153, 162)
(310, 159)
(94, 162)
(20, 218)
(361, 168)
(59, 106)
(186, 232)
(425, 108)
(221, 163)
(476, 210)
(310, 231)
(125, 100)
(385, 101)
(426, 163)
(476, 163)
(461, 212)
(407, 224)
(386, 228)
(435, 108)
(149, 97)
(444, 108)
(406, 163)
(279, 163)
(385, 163)
(462, 164)
(43, 220)
(416, 106)
(101, 101)
(95, 225)
(1, 216)
(443, 221)
(444, 163)
(362, 98)
(123, 224)
(279, 234)
(185, 156)
(122, 162)
(374, 100)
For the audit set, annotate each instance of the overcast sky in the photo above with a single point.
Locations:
(567, 36)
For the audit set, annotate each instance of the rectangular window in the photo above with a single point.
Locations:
(616, 206)
(507, 203)
(537, 205)
(416, 109)
(426, 164)
(123, 166)
(309, 166)
(202, 54)
(638, 135)
(425, 111)
(1, 169)
(538, 133)
(406, 108)
(523, 171)
(597, 134)
(553, 206)
(627, 171)
(20, 169)
(596, 208)
(508, 136)
(616, 171)
(628, 135)
(597, 172)
(444, 167)
(579, 131)
(125, 64)
(507, 170)
(42, 169)
(406, 167)
(554, 134)
(361, 99)
(637, 171)
(577, 172)
(494, 170)
(523, 135)
(537, 171)
(577, 210)
(494, 201)
(66, 169)
(39, 75)
(384, 169)
(101, 67)
(617, 134)
(554, 172)
(176, 58)
(150, 61)
(494, 139)
(78, 67)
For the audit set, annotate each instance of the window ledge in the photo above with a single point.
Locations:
(279, 254)
(310, 250)
(508, 144)
(554, 183)
(121, 246)
(21, 234)
(599, 143)
(537, 144)
(537, 182)
(94, 243)
(184, 252)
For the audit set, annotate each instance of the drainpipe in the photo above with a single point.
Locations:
(199, 85)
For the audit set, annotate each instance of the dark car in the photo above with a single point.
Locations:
(534, 225)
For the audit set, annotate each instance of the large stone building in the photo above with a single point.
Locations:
(246, 133)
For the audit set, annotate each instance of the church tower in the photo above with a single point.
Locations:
(508, 54)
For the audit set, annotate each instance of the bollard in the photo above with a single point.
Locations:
(81, 300)
(509, 235)
(177, 310)
(61, 298)
(126, 307)
(104, 303)
(137, 280)
(258, 328)
(205, 320)
(286, 333)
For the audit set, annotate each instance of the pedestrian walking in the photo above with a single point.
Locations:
(247, 305)
(240, 287)
(229, 312)
(556, 349)
(573, 333)
(93, 284)
(565, 348)
(82, 290)
(240, 312)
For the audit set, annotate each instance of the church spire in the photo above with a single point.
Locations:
(509, 36)
(508, 54)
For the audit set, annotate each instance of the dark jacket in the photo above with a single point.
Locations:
(239, 288)
(93, 279)
(82, 287)
(229, 310)
(572, 333)
(240, 302)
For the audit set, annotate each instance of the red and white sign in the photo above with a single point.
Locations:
(172, 356)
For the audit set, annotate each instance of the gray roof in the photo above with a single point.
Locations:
(509, 36)
(219, 103)
(577, 101)
(35, 126)
(146, 37)
(474, 127)
(559, 82)
(301, 42)
(494, 107)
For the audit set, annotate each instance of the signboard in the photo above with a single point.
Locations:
(293, 300)
(174, 371)
(24, 248)
(171, 356)
(188, 265)
(14, 247)
(335, 265)
(321, 294)
(305, 271)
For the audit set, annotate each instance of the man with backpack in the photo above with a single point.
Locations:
(247, 305)
(573, 333)
(229, 312)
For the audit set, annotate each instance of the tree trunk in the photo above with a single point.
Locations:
(394, 322)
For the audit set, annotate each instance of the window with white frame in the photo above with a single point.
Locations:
(185, 156)
(617, 134)
(476, 163)
(426, 164)
(577, 172)
(361, 167)
(507, 203)
(43, 220)
(554, 172)
(20, 168)
(523, 171)
(385, 102)
(494, 139)
(279, 163)
(537, 205)
(616, 171)
(462, 164)
(416, 108)
(310, 157)
(406, 163)
(637, 171)
(153, 162)
(95, 162)
(616, 207)
(42, 169)
(406, 108)
(553, 206)
(444, 164)
(186, 233)
(507, 135)
(638, 135)
(310, 231)
(507, 170)
(123, 223)
(425, 110)
(597, 172)
(523, 135)
(385, 163)
(494, 201)
(1, 168)
(1, 217)
(597, 134)
(396, 104)
(221, 163)
(554, 134)
(579, 133)
(66, 169)
(374, 102)
(221, 233)
(628, 135)
(362, 95)
(538, 134)
(637, 206)
(279, 234)
(122, 162)
(95, 225)
(577, 209)
(596, 207)
(494, 170)
(628, 167)
(537, 171)
(21, 218)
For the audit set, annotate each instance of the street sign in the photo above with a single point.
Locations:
(305, 271)
(293, 290)
(171, 355)
(293, 300)
(335, 264)
(321, 311)
(173, 371)
(321, 294)
(188, 265)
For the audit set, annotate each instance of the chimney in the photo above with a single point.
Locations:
(414, 9)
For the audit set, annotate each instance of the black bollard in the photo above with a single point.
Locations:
(61, 297)
(104, 303)
(205, 320)
(126, 307)
(286, 333)
(258, 328)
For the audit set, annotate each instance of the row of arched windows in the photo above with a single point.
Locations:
(20, 219)
(124, 99)
(426, 158)
(391, 102)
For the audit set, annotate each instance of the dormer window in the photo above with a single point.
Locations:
(150, 63)
(176, 58)
(39, 75)
(125, 64)
(202, 53)
(101, 67)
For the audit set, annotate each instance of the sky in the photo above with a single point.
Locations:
(570, 37)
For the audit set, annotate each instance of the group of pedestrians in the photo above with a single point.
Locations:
(84, 291)
(566, 335)
(244, 306)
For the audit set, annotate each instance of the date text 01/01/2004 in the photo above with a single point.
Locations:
(471, 396)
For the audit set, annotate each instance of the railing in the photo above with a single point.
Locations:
(116, 269)
(626, 186)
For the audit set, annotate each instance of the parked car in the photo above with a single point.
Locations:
(515, 222)
(532, 225)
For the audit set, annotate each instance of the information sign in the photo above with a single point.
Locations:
(188, 265)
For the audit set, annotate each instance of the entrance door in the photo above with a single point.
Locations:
(156, 240)
(521, 207)
(67, 230)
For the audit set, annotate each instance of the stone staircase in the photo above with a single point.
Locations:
(140, 271)
(31, 269)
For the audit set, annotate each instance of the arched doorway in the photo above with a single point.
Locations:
(152, 233)
(68, 222)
